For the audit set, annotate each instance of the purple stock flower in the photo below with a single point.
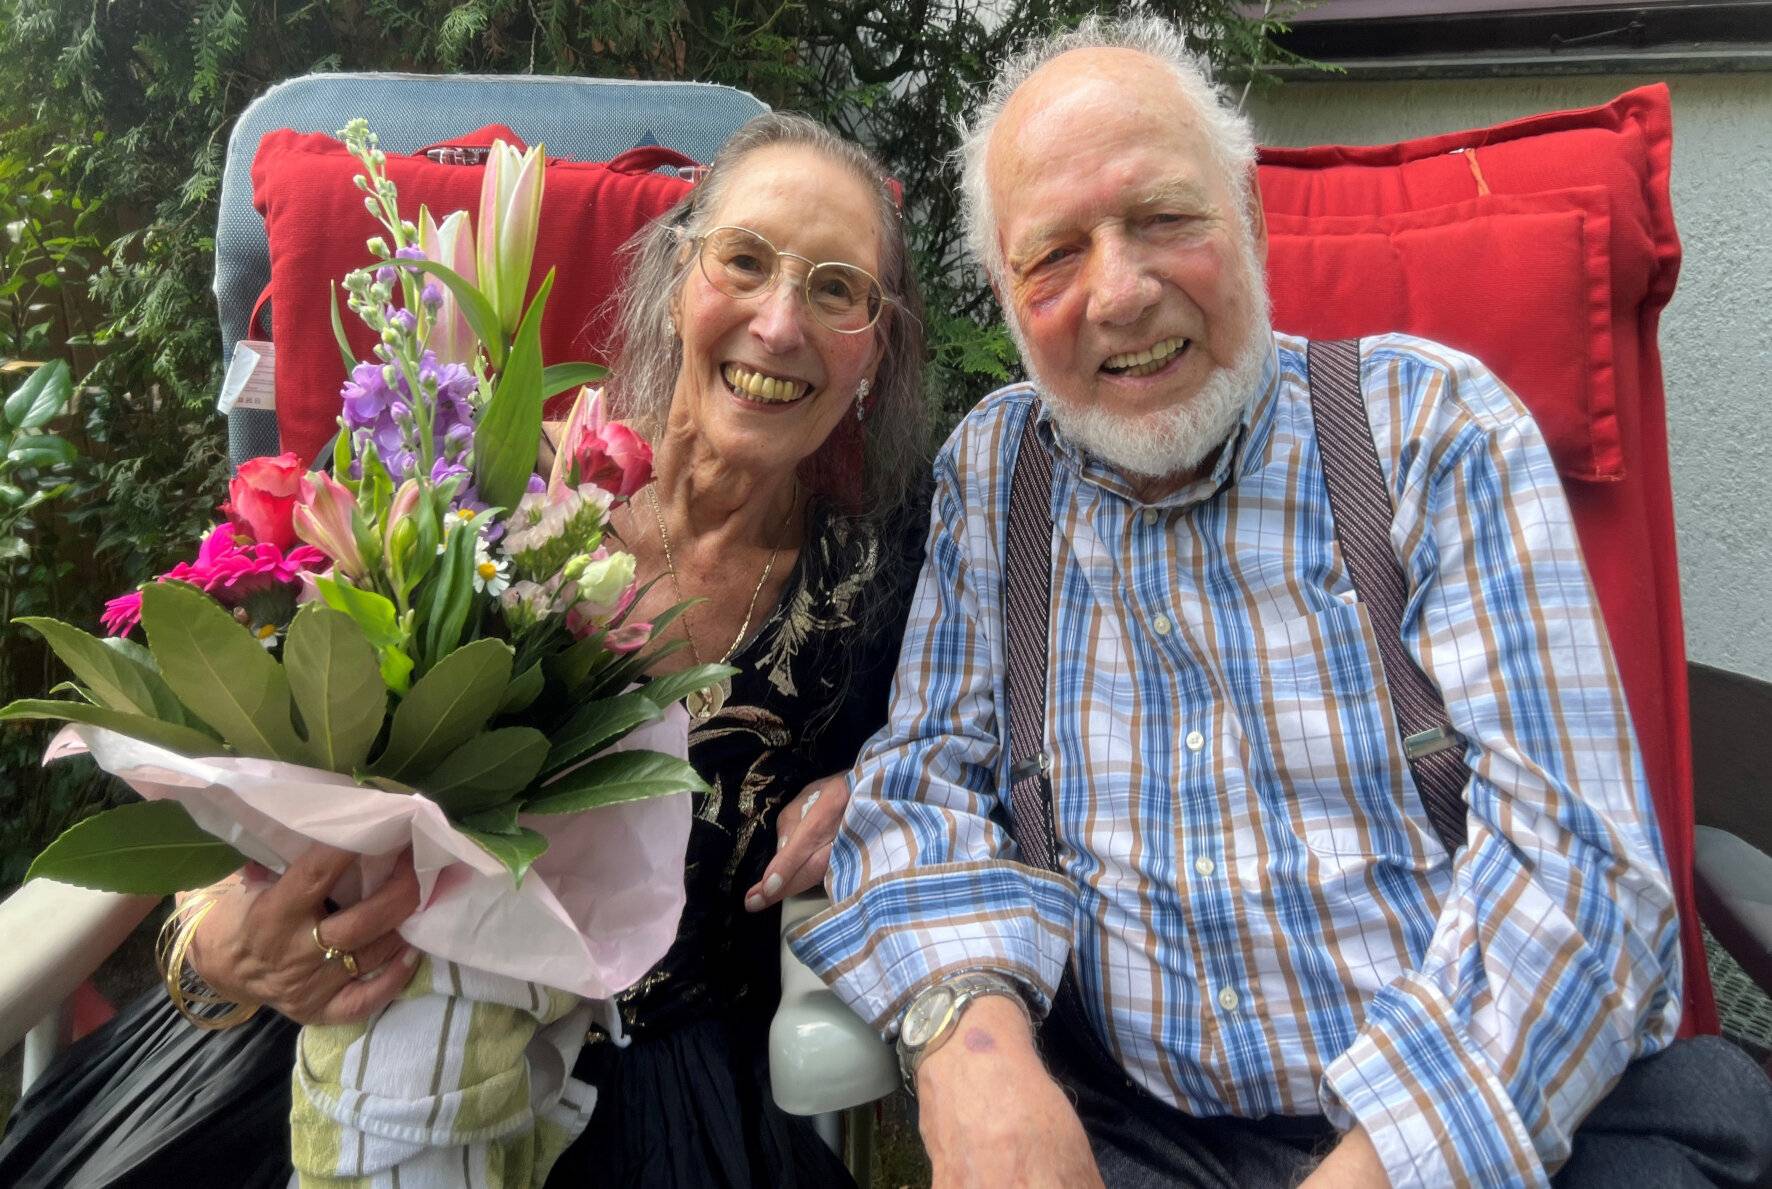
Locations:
(432, 296)
(404, 319)
(410, 252)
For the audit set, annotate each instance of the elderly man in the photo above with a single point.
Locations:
(1272, 965)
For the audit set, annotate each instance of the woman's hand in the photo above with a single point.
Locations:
(806, 828)
(257, 944)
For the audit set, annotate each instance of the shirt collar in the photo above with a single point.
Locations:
(1231, 461)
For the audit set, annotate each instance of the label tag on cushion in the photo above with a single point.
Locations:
(251, 382)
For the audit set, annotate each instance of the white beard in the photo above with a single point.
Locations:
(1175, 440)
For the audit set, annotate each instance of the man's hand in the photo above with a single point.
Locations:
(257, 944)
(1353, 1164)
(805, 830)
(991, 1115)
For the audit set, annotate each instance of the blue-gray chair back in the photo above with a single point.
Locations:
(578, 118)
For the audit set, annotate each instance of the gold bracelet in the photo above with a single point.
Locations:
(171, 950)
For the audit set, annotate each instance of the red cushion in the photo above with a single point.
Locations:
(317, 225)
(1626, 525)
(1424, 271)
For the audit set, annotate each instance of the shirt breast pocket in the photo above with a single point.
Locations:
(1337, 775)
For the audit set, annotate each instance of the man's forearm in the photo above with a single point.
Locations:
(1352, 1164)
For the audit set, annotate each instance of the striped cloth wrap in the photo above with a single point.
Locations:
(462, 1081)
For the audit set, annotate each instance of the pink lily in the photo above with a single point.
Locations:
(451, 244)
(510, 214)
(400, 509)
(325, 517)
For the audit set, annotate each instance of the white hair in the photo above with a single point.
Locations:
(1229, 134)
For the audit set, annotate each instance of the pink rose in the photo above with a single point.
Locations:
(261, 499)
(613, 457)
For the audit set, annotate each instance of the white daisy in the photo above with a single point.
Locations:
(267, 635)
(490, 576)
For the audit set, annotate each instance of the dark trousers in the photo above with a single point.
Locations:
(1697, 1114)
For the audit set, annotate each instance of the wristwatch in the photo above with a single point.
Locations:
(932, 1016)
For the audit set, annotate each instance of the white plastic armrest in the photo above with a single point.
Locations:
(53, 936)
(822, 1056)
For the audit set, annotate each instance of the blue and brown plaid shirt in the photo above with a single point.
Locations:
(1259, 914)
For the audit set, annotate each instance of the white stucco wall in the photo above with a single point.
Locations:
(1716, 334)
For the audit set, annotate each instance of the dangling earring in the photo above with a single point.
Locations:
(671, 321)
(861, 396)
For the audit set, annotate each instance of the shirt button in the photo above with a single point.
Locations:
(1162, 624)
(1227, 999)
(1204, 865)
(1150, 516)
(1195, 741)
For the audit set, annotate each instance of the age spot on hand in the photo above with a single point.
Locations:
(977, 1040)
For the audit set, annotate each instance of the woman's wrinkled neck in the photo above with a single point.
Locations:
(714, 496)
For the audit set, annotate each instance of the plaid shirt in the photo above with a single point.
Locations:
(1258, 912)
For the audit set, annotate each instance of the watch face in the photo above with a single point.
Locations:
(924, 1016)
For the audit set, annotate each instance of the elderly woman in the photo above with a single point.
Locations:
(770, 347)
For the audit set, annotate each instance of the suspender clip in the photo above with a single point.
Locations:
(1426, 743)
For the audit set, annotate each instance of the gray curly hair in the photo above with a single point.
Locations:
(648, 355)
(1228, 131)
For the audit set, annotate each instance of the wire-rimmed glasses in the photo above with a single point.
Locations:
(740, 263)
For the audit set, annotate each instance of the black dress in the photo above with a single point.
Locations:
(149, 1100)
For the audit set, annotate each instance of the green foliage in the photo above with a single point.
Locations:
(142, 847)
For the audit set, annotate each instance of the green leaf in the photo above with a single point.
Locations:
(146, 848)
(558, 377)
(149, 730)
(450, 703)
(508, 435)
(44, 394)
(337, 686)
(627, 670)
(444, 609)
(614, 778)
(381, 627)
(599, 724)
(516, 851)
(673, 687)
(500, 819)
(338, 333)
(525, 687)
(487, 770)
(115, 680)
(219, 671)
(482, 318)
(166, 704)
(589, 658)
(40, 450)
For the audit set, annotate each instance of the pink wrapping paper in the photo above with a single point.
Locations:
(595, 913)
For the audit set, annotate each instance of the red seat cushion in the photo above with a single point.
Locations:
(1546, 318)
(318, 228)
(1472, 238)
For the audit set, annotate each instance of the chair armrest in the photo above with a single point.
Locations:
(822, 1056)
(53, 936)
(1732, 880)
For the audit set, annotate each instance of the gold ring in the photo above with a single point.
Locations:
(331, 953)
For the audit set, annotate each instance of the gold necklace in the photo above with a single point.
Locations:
(704, 704)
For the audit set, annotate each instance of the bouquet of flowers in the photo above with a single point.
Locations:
(432, 647)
